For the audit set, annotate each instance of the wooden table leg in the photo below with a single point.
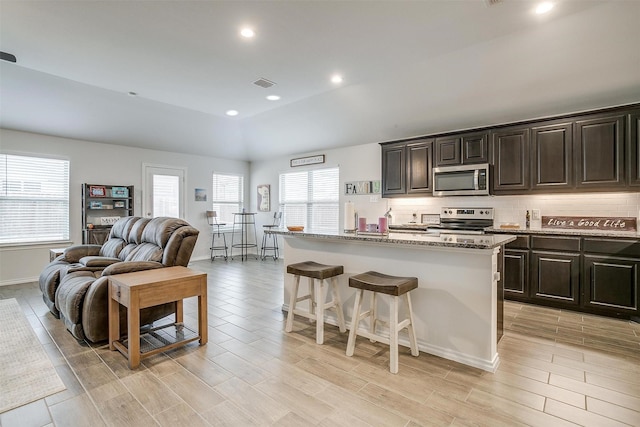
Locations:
(134, 332)
(202, 320)
(114, 320)
(179, 311)
(203, 327)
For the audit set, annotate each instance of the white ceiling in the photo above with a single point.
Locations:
(410, 68)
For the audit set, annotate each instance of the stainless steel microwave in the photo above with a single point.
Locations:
(463, 180)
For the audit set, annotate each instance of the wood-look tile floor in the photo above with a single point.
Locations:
(558, 368)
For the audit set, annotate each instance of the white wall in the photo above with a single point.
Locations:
(113, 165)
(102, 163)
(357, 163)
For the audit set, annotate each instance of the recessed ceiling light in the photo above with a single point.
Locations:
(232, 113)
(273, 97)
(336, 78)
(544, 7)
(247, 32)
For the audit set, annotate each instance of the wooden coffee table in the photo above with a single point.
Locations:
(148, 288)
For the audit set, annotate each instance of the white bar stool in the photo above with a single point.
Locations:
(316, 296)
(390, 285)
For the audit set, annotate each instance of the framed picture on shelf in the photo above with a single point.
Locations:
(97, 191)
(119, 192)
(118, 204)
(95, 205)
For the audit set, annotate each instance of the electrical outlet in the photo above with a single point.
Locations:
(374, 199)
(535, 213)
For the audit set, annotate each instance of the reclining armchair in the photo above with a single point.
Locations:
(75, 285)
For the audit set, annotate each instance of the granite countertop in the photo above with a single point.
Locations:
(565, 232)
(435, 239)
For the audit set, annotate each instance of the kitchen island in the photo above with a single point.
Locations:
(458, 304)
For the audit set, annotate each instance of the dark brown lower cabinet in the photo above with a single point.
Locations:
(611, 284)
(592, 274)
(555, 277)
(516, 273)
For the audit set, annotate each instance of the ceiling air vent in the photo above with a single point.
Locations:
(490, 3)
(262, 82)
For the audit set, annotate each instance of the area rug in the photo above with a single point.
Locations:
(26, 373)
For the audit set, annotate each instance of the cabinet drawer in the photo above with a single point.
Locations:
(630, 248)
(521, 242)
(556, 243)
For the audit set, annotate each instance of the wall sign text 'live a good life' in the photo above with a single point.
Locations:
(590, 223)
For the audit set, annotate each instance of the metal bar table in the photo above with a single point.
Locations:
(243, 223)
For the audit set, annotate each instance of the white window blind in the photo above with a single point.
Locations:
(166, 196)
(227, 196)
(310, 198)
(34, 199)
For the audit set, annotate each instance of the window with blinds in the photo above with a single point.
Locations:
(227, 196)
(310, 198)
(166, 196)
(34, 199)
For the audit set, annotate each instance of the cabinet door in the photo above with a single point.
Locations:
(419, 167)
(511, 160)
(611, 284)
(448, 151)
(393, 170)
(475, 148)
(96, 236)
(634, 149)
(551, 160)
(516, 273)
(599, 152)
(555, 277)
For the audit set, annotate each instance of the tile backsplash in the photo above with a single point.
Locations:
(512, 209)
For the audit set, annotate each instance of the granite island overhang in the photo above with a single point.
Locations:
(458, 304)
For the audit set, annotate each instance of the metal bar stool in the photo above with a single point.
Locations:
(269, 237)
(212, 219)
(390, 285)
(316, 296)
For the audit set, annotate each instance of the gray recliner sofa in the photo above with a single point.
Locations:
(75, 285)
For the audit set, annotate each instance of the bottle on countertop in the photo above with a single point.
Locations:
(528, 219)
(389, 217)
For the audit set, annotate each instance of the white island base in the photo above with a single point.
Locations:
(456, 307)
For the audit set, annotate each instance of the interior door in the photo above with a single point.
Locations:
(164, 192)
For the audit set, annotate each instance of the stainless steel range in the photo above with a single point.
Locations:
(463, 220)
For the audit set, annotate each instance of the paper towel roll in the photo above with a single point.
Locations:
(349, 216)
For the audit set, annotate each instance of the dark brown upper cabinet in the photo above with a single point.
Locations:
(585, 152)
(511, 160)
(461, 149)
(448, 151)
(394, 181)
(634, 148)
(407, 168)
(552, 156)
(419, 167)
(599, 152)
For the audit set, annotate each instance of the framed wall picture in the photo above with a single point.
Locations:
(264, 198)
(97, 191)
(200, 195)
